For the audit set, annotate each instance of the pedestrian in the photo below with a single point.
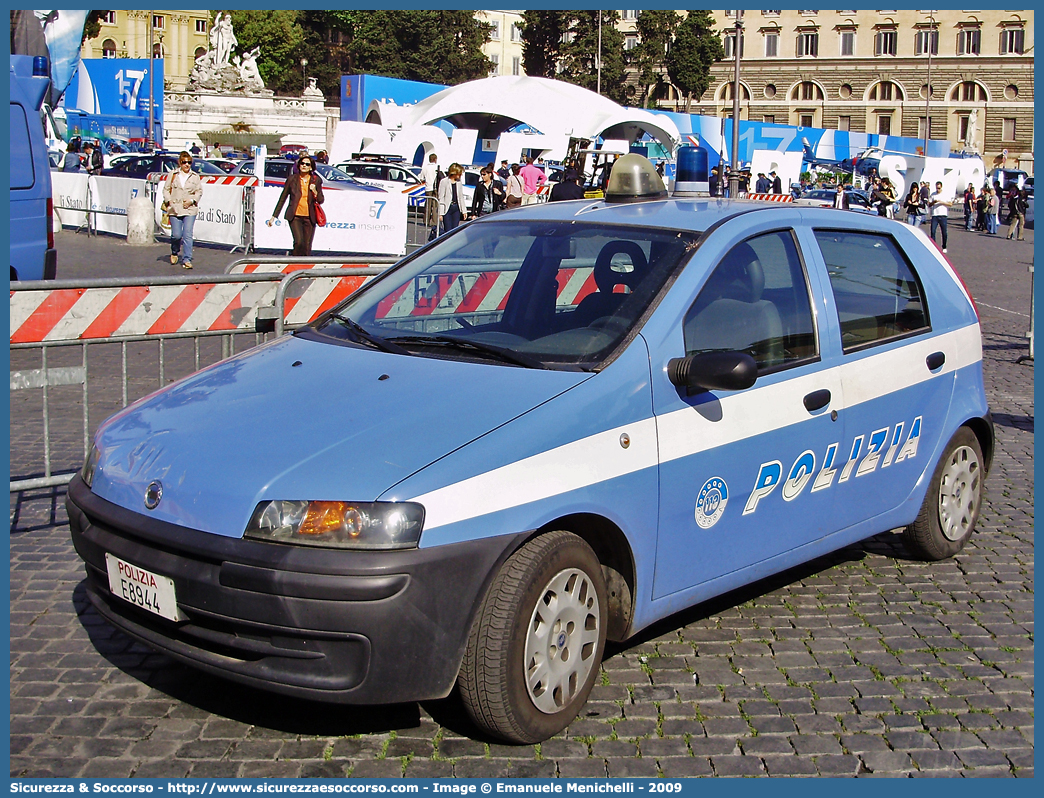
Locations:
(89, 159)
(515, 188)
(969, 206)
(489, 196)
(981, 204)
(883, 196)
(451, 198)
(841, 201)
(993, 212)
(72, 161)
(1017, 207)
(777, 184)
(714, 182)
(431, 175)
(304, 190)
(533, 178)
(194, 150)
(925, 194)
(322, 156)
(181, 194)
(912, 205)
(568, 188)
(504, 172)
(762, 185)
(940, 206)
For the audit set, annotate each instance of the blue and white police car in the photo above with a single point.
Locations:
(549, 428)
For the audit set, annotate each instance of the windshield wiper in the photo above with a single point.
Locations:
(362, 335)
(498, 352)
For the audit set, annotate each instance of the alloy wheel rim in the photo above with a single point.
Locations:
(561, 640)
(959, 491)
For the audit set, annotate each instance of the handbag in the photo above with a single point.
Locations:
(320, 216)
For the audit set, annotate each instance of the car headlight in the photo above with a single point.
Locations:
(89, 466)
(340, 525)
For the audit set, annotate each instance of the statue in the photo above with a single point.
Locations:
(226, 39)
(219, 70)
(313, 89)
(252, 81)
(973, 128)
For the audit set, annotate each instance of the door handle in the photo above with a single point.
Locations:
(935, 360)
(816, 400)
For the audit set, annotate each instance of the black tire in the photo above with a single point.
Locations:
(561, 573)
(951, 507)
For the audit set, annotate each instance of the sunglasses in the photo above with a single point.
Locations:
(309, 164)
(186, 162)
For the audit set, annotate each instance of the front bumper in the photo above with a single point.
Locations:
(350, 627)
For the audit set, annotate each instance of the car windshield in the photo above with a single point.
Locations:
(541, 294)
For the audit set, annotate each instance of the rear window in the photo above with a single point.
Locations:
(22, 174)
(876, 291)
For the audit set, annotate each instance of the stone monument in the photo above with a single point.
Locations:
(219, 70)
(226, 100)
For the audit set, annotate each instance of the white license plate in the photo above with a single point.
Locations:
(142, 588)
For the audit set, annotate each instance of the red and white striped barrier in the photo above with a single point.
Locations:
(211, 180)
(772, 197)
(75, 314)
(289, 268)
(72, 314)
(475, 292)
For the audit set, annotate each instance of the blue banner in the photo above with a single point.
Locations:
(120, 90)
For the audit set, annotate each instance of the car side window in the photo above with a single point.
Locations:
(756, 301)
(876, 290)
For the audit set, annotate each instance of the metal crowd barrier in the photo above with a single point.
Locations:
(52, 316)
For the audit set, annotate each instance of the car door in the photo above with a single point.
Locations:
(897, 372)
(745, 475)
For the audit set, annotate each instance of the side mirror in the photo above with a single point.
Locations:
(713, 371)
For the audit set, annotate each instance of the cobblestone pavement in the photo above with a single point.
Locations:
(862, 663)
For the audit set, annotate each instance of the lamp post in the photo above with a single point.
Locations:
(598, 64)
(304, 79)
(152, 56)
(734, 177)
(928, 86)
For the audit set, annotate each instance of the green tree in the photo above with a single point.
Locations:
(656, 30)
(92, 25)
(281, 38)
(431, 46)
(580, 56)
(696, 46)
(542, 34)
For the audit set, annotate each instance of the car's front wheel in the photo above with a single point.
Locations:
(951, 508)
(536, 646)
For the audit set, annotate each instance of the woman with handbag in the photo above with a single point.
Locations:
(304, 189)
(181, 196)
(451, 198)
(514, 188)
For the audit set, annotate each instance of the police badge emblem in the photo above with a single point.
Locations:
(711, 501)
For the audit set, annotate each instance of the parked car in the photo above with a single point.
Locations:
(278, 169)
(824, 198)
(224, 164)
(553, 426)
(389, 175)
(141, 166)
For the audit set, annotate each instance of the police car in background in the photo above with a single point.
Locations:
(278, 169)
(388, 172)
(551, 427)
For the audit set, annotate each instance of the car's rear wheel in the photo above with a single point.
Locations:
(951, 508)
(535, 648)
